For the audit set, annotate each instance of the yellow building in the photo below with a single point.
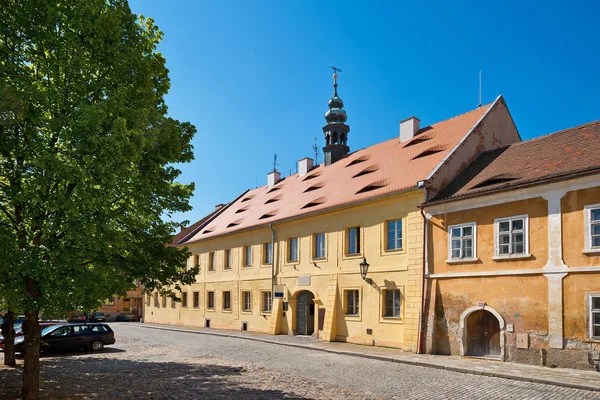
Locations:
(131, 303)
(286, 258)
(513, 254)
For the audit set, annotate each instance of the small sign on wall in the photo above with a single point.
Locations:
(278, 291)
(481, 304)
(304, 280)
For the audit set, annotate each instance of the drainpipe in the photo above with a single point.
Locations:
(425, 272)
(272, 262)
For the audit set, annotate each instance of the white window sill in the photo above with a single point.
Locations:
(591, 251)
(462, 260)
(512, 257)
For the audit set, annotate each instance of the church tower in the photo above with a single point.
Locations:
(336, 131)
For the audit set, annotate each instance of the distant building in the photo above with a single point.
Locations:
(513, 255)
(285, 258)
(131, 303)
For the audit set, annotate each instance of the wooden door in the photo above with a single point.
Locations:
(301, 313)
(483, 334)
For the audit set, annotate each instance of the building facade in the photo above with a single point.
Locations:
(286, 258)
(513, 254)
(131, 303)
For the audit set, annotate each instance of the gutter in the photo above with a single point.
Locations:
(272, 260)
(425, 272)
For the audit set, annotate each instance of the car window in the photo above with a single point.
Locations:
(80, 330)
(99, 328)
(62, 331)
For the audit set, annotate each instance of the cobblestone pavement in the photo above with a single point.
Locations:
(155, 364)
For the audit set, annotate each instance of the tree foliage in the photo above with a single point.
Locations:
(87, 155)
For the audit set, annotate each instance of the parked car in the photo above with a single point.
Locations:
(97, 317)
(75, 336)
(77, 317)
(43, 324)
(126, 317)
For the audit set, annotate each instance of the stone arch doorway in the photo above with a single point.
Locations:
(305, 313)
(482, 331)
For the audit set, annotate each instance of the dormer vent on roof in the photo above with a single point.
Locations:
(367, 170)
(428, 152)
(234, 223)
(495, 180)
(417, 140)
(312, 176)
(315, 202)
(358, 160)
(314, 187)
(269, 214)
(373, 186)
(273, 199)
(247, 198)
(408, 128)
(241, 210)
(305, 165)
(273, 189)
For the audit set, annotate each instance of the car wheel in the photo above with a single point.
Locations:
(97, 345)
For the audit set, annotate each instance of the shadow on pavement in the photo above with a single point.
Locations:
(109, 378)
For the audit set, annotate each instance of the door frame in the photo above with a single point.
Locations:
(294, 309)
(462, 332)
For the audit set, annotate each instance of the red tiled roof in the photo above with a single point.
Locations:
(382, 169)
(559, 155)
(190, 229)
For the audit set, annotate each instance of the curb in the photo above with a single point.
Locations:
(384, 358)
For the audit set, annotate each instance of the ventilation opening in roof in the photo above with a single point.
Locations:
(207, 231)
(417, 140)
(270, 214)
(314, 187)
(241, 210)
(428, 153)
(315, 202)
(273, 189)
(366, 171)
(373, 186)
(273, 199)
(247, 198)
(312, 176)
(231, 225)
(495, 180)
(358, 160)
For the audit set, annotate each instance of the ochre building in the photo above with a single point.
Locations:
(513, 254)
(287, 257)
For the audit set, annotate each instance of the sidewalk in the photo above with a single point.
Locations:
(571, 378)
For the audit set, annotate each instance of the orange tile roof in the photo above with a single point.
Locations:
(382, 169)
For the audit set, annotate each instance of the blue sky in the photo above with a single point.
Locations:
(253, 76)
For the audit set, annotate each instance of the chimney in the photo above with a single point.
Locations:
(272, 178)
(305, 165)
(408, 128)
(219, 206)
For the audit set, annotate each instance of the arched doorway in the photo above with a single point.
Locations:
(483, 335)
(305, 313)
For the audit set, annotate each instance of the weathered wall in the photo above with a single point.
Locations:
(573, 226)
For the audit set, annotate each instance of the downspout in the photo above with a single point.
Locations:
(425, 273)
(272, 262)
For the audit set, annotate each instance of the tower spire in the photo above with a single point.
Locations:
(336, 131)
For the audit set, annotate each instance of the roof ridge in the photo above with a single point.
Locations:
(597, 122)
(465, 113)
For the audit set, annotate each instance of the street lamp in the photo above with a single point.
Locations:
(364, 268)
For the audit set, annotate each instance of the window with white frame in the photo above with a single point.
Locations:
(352, 302)
(319, 245)
(394, 235)
(293, 249)
(247, 256)
(592, 227)
(461, 240)
(353, 240)
(268, 253)
(594, 316)
(267, 302)
(511, 236)
(392, 303)
(246, 301)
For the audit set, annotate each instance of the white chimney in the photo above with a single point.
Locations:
(305, 165)
(272, 178)
(408, 128)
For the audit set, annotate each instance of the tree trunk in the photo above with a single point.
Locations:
(31, 369)
(8, 332)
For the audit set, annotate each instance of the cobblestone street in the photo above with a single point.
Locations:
(150, 363)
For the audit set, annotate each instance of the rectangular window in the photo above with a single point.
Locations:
(461, 241)
(173, 302)
(511, 236)
(394, 235)
(268, 253)
(392, 303)
(595, 317)
(155, 299)
(196, 299)
(210, 300)
(319, 245)
(592, 227)
(164, 301)
(353, 241)
(196, 260)
(183, 299)
(267, 302)
(246, 301)
(352, 302)
(227, 300)
(247, 256)
(211, 261)
(227, 259)
(148, 299)
(293, 249)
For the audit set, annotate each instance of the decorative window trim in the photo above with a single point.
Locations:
(265, 253)
(392, 319)
(288, 252)
(212, 260)
(587, 221)
(314, 246)
(345, 292)
(385, 235)
(450, 259)
(525, 254)
(590, 312)
(226, 309)
(246, 263)
(227, 258)
(359, 246)
(243, 302)
(263, 309)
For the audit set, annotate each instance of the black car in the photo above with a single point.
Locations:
(78, 336)
(126, 317)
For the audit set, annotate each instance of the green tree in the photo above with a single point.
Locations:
(87, 157)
